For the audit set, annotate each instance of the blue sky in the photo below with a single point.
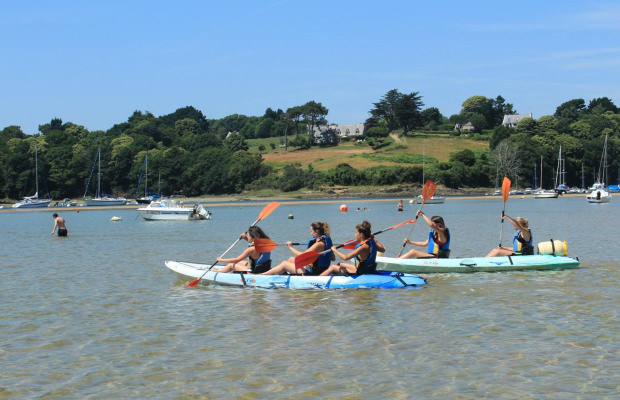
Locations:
(94, 63)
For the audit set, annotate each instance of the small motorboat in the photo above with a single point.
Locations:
(171, 210)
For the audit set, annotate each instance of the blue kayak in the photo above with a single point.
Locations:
(383, 279)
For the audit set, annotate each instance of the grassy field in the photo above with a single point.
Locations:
(406, 151)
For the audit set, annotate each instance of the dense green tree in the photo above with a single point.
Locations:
(314, 114)
(386, 109)
(601, 105)
(430, 116)
(235, 142)
(407, 110)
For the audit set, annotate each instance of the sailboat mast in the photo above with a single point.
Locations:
(146, 175)
(36, 169)
(99, 175)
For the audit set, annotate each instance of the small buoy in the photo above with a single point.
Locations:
(344, 208)
(77, 211)
(411, 201)
(116, 219)
(290, 216)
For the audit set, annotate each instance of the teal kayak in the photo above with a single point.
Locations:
(476, 264)
(383, 279)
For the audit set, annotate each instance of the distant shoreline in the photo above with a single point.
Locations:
(210, 201)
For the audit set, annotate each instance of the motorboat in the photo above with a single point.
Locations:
(169, 209)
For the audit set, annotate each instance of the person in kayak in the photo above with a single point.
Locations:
(319, 242)
(256, 262)
(522, 242)
(438, 242)
(364, 254)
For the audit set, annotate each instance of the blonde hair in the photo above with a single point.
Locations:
(523, 222)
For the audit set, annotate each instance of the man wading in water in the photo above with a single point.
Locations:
(60, 223)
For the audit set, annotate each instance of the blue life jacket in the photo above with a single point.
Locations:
(441, 250)
(324, 260)
(520, 246)
(369, 265)
(261, 264)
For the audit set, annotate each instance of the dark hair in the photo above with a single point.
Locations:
(321, 227)
(438, 220)
(364, 229)
(256, 232)
(55, 215)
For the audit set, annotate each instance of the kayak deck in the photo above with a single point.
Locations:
(476, 264)
(383, 279)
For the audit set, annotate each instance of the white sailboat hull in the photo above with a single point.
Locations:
(105, 201)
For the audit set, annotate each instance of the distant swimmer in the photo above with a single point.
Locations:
(59, 222)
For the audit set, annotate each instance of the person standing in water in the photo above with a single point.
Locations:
(59, 222)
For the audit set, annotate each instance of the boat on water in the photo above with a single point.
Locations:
(435, 199)
(599, 192)
(541, 193)
(476, 264)
(171, 210)
(382, 280)
(34, 201)
(102, 199)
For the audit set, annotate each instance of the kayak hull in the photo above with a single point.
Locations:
(384, 279)
(476, 264)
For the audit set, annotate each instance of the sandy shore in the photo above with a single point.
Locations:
(217, 201)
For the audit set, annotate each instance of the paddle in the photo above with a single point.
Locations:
(263, 245)
(263, 214)
(427, 192)
(309, 257)
(505, 193)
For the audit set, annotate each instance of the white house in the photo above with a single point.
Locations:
(343, 131)
(512, 120)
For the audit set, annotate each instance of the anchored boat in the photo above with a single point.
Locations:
(170, 210)
(383, 279)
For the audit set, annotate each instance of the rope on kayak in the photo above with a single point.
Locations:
(510, 259)
(243, 279)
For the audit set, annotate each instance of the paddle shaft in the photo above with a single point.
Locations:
(264, 213)
(411, 229)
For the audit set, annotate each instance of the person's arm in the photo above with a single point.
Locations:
(55, 225)
(352, 254)
(418, 244)
(241, 257)
(380, 247)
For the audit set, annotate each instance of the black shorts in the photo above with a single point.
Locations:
(62, 232)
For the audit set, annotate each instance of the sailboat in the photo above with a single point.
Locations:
(599, 192)
(148, 196)
(541, 193)
(34, 201)
(435, 198)
(102, 199)
(560, 175)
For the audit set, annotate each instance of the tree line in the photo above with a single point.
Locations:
(194, 155)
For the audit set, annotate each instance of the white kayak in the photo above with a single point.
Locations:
(383, 279)
(476, 264)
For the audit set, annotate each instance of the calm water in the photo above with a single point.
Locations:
(98, 316)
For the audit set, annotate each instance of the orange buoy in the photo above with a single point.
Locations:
(344, 208)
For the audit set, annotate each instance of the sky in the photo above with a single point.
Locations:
(94, 63)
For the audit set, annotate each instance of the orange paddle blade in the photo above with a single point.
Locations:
(428, 190)
(506, 188)
(306, 258)
(194, 282)
(264, 245)
(267, 210)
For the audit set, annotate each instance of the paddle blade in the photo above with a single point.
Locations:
(267, 210)
(264, 245)
(351, 245)
(194, 282)
(428, 190)
(506, 188)
(306, 258)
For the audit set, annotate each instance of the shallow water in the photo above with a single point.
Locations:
(98, 316)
